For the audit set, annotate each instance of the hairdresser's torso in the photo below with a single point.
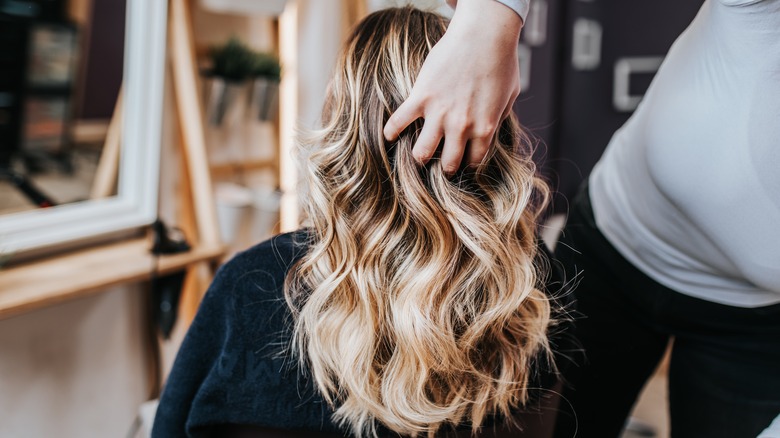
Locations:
(689, 189)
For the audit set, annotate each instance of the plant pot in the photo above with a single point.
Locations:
(222, 98)
(264, 101)
(265, 215)
(258, 7)
(233, 202)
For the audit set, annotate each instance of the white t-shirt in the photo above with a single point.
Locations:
(688, 189)
(519, 6)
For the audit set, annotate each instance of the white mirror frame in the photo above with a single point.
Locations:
(135, 204)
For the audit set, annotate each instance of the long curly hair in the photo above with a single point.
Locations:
(416, 305)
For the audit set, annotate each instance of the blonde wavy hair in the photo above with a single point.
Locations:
(416, 304)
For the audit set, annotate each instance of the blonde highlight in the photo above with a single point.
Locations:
(416, 305)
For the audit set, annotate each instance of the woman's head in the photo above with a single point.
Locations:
(416, 304)
(377, 68)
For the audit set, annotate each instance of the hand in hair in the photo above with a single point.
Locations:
(467, 85)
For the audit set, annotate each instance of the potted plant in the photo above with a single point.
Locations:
(266, 73)
(231, 65)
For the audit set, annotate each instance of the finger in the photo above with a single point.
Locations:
(452, 154)
(427, 142)
(478, 148)
(407, 113)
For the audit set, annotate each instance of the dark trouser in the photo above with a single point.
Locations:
(724, 376)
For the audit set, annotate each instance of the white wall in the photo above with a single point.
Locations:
(73, 370)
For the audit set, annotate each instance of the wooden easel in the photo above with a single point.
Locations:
(108, 166)
(198, 214)
(198, 217)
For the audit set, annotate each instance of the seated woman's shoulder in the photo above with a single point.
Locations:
(279, 252)
(261, 269)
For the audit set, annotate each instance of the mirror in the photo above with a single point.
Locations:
(80, 113)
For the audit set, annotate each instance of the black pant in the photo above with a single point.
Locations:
(724, 377)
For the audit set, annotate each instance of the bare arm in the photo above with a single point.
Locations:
(466, 86)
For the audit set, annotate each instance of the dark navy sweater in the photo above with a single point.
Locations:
(232, 367)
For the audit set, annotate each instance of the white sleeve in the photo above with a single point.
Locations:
(772, 431)
(739, 2)
(519, 6)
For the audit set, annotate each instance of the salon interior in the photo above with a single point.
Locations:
(143, 143)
